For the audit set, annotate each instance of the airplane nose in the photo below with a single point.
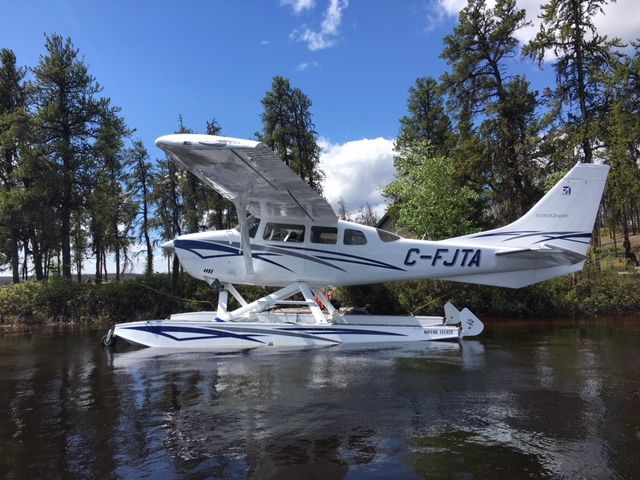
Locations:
(168, 246)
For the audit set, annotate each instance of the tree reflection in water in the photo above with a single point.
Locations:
(547, 402)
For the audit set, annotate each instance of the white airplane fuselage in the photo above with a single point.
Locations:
(359, 255)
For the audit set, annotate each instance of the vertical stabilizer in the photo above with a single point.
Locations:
(563, 218)
(550, 240)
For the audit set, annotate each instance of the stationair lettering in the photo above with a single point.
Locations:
(447, 257)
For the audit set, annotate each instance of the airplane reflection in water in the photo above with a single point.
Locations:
(289, 413)
(557, 402)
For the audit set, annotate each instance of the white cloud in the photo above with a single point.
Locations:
(357, 171)
(451, 7)
(329, 28)
(619, 19)
(299, 6)
(301, 67)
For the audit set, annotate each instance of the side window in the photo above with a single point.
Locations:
(253, 223)
(284, 232)
(387, 236)
(324, 235)
(354, 237)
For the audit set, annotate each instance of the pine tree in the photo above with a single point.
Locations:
(289, 131)
(13, 120)
(222, 211)
(481, 93)
(427, 119)
(169, 208)
(567, 31)
(68, 113)
(621, 133)
(108, 203)
(139, 186)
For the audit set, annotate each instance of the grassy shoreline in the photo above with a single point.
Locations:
(59, 302)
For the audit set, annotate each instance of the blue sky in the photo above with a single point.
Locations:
(217, 59)
(355, 59)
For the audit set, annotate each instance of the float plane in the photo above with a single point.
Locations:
(289, 236)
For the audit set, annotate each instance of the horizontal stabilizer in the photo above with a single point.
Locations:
(545, 255)
(517, 278)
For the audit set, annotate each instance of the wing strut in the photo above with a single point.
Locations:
(245, 241)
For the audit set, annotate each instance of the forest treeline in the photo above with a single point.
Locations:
(76, 184)
(476, 148)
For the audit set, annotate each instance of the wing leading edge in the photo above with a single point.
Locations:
(249, 174)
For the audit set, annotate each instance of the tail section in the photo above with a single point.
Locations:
(563, 217)
(550, 240)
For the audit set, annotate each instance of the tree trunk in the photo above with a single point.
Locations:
(104, 265)
(37, 260)
(580, 71)
(98, 248)
(15, 258)
(175, 272)
(65, 207)
(117, 262)
(149, 266)
(145, 229)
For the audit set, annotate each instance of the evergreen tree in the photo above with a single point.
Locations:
(191, 190)
(13, 120)
(68, 113)
(427, 119)
(139, 185)
(621, 133)
(481, 92)
(169, 208)
(222, 211)
(110, 208)
(567, 31)
(288, 130)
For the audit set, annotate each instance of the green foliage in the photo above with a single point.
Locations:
(426, 197)
(12, 136)
(496, 112)
(289, 130)
(427, 119)
(567, 31)
(589, 293)
(58, 300)
(68, 112)
(139, 187)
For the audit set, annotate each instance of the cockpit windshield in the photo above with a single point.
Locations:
(253, 223)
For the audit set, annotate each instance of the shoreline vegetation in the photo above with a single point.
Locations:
(59, 302)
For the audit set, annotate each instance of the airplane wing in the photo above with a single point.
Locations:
(249, 174)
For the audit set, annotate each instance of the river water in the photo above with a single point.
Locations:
(525, 400)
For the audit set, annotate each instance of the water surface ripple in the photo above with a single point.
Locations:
(526, 400)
